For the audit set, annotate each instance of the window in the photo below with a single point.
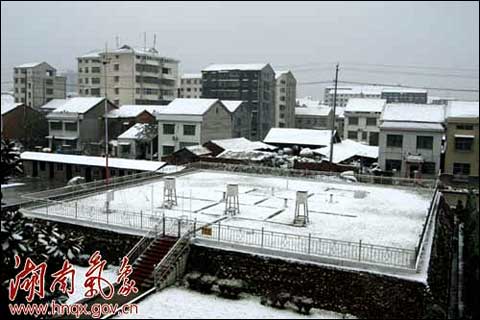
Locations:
(95, 69)
(117, 91)
(393, 164)
(187, 144)
(364, 135)
(86, 80)
(463, 144)
(95, 80)
(373, 139)
(125, 148)
(168, 129)
(55, 125)
(116, 78)
(282, 107)
(116, 67)
(94, 92)
(464, 126)
(70, 126)
(166, 150)
(282, 98)
(352, 135)
(424, 142)
(428, 168)
(165, 71)
(353, 120)
(49, 91)
(86, 69)
(371, 121)
(394, 140)
(188, 130)
(461, 168)
(47, 82)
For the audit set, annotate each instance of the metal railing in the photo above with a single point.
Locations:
(311, 174)
(158, 223)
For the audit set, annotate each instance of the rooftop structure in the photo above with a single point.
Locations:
(300, 137)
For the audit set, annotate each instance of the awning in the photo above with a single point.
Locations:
(465, 136)
(415, 159)
(61, 138)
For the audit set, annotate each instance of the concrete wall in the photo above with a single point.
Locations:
(362, 126)
(409, 147)
(470, 157)
(216, 124)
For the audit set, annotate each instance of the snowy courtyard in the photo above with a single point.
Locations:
(338, 210)
(178, 303)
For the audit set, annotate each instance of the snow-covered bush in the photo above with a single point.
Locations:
(230, 288)
(303, 304)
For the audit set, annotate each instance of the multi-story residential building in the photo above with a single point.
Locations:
(134, 76)
(362, 118)
(79, 125)
(285, 99)
(344, 93)
(440, 100)
(410, 139)
(318, 117)
(37, 83)
(404, 95)
(188, 122)
(252, 83)
(462, 147)
(190, 86)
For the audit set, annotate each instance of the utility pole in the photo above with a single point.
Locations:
(333, 118)
(105, 61)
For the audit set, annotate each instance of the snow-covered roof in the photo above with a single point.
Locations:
(298, 136)
(307, 102)
(365, 105)
(357, 90)
(242, 144)
(135, 132)
(411, 126)
(340, 112)
(78, 105)
(313, 111)
(29, 65)
(9, 107)
(188, 106)
(53, 104)
(199, 150)
(191, 76)
(133, 110)
(252, 155)
(279, 73)
(410, 112)
(125, 49)
(92, 54)
(347, 149)
(232, 105)
(8, 103)
(119, 163)
(462, 109)
(244, 67)
(403, 90)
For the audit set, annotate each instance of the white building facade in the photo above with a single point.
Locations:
(285, 99)
(190, 86)
(362, 117)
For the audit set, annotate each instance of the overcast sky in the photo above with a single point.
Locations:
(441, 38)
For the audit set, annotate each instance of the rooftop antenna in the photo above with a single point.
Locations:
(117, 40)
(154, 40)
(145, 41)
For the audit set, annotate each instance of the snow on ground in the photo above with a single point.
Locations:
(384, 215)
(180, 303)
(109, 274)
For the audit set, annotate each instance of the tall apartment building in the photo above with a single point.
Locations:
(134, 76)
(35, 84)
(285, 99)
(391, 94)
(190, 86)
(252, 83)
(405, 95)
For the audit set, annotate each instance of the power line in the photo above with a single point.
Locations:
(413, 66)
(413, 73)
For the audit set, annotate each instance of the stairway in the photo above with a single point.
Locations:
(143, 267)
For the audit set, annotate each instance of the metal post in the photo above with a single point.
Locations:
(163, 224)
(46, 208)
(218, 230)
(194, 227)
(141, 219)
(179, 226)
(261, 245)
(76, 210)
(360, 250)
(309, 242)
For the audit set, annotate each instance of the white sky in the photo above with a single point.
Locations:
(314, 35)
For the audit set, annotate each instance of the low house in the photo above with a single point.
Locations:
(123, 118)
(78, 125)
(236, 144)
(188, 155)
(63, 167)
(462, 146)
(300, 138)
(138, 142)
(240, 117)
(410, 139)
(362, 117)
(22, 123)
(348, 151)
(189, 122)
(313, 117)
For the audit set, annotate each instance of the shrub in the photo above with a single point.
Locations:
(230, 288)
